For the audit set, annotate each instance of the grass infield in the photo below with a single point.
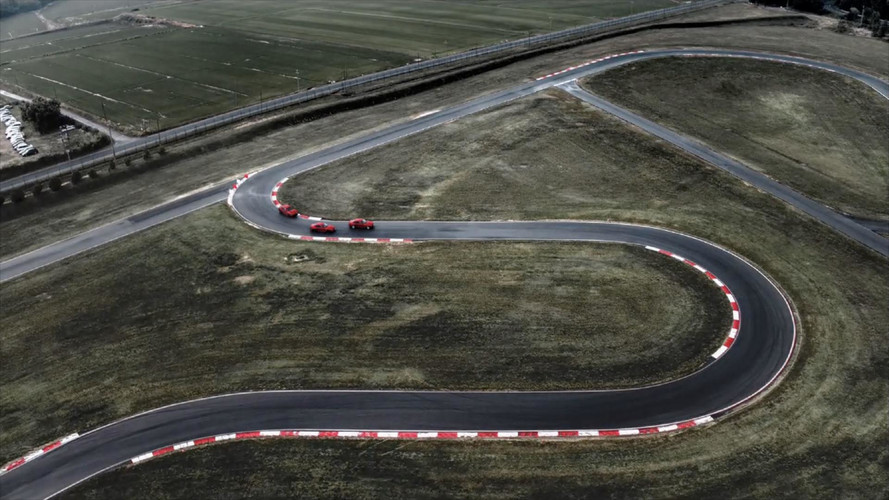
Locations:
(191, 311)
(823, 134)
(820, 434)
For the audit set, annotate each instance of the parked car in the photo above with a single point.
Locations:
(361, 224)
(288, 211)
(322, 227)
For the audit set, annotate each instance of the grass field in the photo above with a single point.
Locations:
(243, 52)
(819, 434)
(60, 215)
(60, 14)
(430, 316)
(823, 134)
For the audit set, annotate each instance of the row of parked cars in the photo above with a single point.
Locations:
(14, 132)
(323, 227)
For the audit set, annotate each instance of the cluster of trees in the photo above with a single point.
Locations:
(881, 7)
(44, 114)
(13, 7)
(816, 6)
(872, 14)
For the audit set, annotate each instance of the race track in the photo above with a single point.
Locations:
(758, 355)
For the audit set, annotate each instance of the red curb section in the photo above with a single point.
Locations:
(36, 453)
(594, 61)
(419, 435)
(736, 310)
(328, 239)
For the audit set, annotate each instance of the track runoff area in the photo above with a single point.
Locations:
(757, 348)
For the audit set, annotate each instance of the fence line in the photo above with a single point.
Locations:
(187, 130)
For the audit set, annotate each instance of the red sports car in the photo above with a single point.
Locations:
(361, 224)
(287, 210)
(322, 227)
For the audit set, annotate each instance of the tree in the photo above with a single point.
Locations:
(76, 177)
(12, 7)
(18, 196)
(55, 184)
(37, 189)
(45, 114)
(94, 174)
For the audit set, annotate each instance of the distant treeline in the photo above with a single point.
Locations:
(12, 7)
(817, 6)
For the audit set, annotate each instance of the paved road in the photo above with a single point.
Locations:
(763, 346)
(855, 229)
(33, 260)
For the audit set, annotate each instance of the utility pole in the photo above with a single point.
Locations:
(63, 136)
(113, 153)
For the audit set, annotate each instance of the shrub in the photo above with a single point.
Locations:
(55, 184)
(45, 114)
(128, 161)
(18, 196)
(162, 150)
(94, 174)
(76, 177)
(2, 199)
(111, 165)
(146, 155)
(37, 189)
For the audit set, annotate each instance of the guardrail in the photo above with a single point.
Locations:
(188, 130)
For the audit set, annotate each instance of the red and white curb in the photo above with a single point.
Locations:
(347, 239)
(236, 185)
(329, 239)
(36, 453)
(421, 435)
(278, 203)
(736, 311)
(594, 61)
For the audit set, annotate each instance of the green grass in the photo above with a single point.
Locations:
(430, 316)
(60, 215)
(823, 134)
(819, 434)
(246, 51)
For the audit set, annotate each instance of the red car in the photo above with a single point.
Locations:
(287, 210)
(361, 224)
(322, 227)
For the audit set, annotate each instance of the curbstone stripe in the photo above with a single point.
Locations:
(328, 239)
(736, 310)
(420, 435)
(594, 61)
(36, 453)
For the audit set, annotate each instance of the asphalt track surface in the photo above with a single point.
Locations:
(760, 352)
(53, 253)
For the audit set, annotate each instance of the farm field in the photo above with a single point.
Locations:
(224, 54)
(819, 434)
(59, 14)
(60, 215)
(824, 135)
